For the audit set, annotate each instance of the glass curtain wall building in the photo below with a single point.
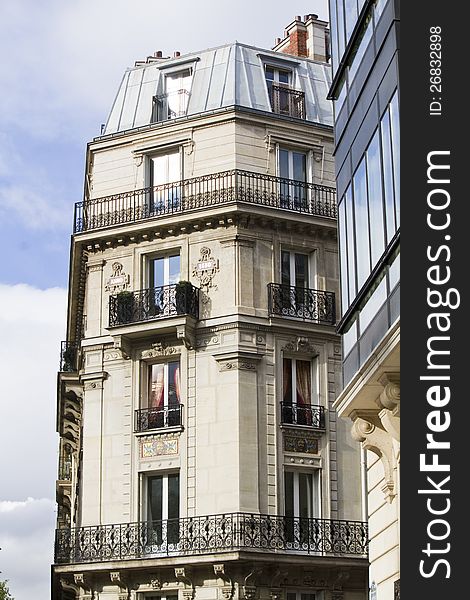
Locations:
(365, 91)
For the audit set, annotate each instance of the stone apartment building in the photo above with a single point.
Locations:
(200, 457)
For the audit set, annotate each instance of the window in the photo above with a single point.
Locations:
(283, 98)
(164, 273)
(165, 176)
(294, 269)
(163, 397)
(302, 503)
(301, 596)
(163, 509)
(298, 385)
(293, 166)
(174, 101)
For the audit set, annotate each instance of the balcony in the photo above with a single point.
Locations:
(210, 534)
(287, 101)
(198, 193)
(301, 303)
(305, 415)
(154, 303)
(149, 419)
(68, 357)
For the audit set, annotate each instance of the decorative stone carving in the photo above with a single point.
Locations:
(205, 269)
(249, 592)
(301, 345)
(85, 585)
(297, 441)
(237, 364)
(156, 584)
(389, 401)
(95, 266)
(186, 335)
(161, 348)
(208, 341)
(162, 446)
(113, 354)
(119, 281)
(378, 441)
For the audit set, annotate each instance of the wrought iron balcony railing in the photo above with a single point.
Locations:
(69, 356)
(301, 303)
(287, 101)
(208, 534)
(154, 303)
(147, 419)
(301, 414)
(227, 187)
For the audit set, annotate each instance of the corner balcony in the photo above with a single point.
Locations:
(306, 304)
(304, 415)
(199, 193)
(212, 534)
(161, 302)
(69, 352)
(158, 419)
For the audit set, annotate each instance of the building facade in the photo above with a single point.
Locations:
(364, 43)
(200, 456)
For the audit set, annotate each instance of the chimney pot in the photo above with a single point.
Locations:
(158, 54)
(176, 54)
(297, 18)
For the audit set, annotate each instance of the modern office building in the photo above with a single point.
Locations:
(200, 455)
(364, 43)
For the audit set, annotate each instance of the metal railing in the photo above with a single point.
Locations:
(287, 101)
(301, 303)
(301, 414)
(154, 303)
(69, 356)
(158, 418)
(202, 192)
(208, 534)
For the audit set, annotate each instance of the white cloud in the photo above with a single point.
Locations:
(27, 538)
(32, 323)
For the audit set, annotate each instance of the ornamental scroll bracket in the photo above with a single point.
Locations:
(205, 269)
(367, 430)
(228, 588)
(182, 574)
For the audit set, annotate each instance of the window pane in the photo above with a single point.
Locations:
(343, 257)
(351, 244)
(305, 495)
(174, 269)
(299, 166)
(155, 499)
(394, 273)
(303, 383)
(372, 306)
(173, 167)
(388, 177)
(289, 493)
(341, 35)
(334, 36)
(374, 179)
(157, 386)
(301, 270)
(350, 9)
(284, 77)
(283, 163)
(270, 73)
(173, 496)
(285, 268)
(173, 383)
(361, 48)
(395, 123)
(362, 225)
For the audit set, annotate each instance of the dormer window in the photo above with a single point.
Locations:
(173, 102)
(284, 99)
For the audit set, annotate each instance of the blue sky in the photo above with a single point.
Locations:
(62, 61)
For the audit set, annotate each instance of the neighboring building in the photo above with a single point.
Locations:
(200, 456)
(364, 42)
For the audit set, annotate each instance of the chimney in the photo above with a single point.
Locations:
(318, 40)
(176, 54)
(307, 38)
